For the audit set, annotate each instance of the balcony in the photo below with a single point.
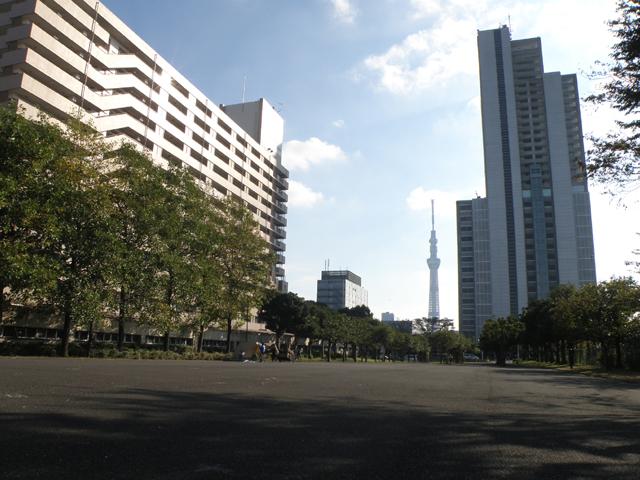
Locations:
(282, 171)
(282, 195)
(280, 232)
(281, 207)
(279, 272)
(280, 220)
(279, 245)
(280, 258)
(282, 182)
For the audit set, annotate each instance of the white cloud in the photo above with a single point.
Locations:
(446, 49)
(474, 104)
(300, 155)
(419, 199)
(344, 11)
(338, 123)
(302, 196)
(425, 59)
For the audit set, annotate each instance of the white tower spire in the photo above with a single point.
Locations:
(433, 263)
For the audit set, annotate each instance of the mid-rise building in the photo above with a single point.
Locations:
(341, 289)
(474, 274)
(67, 57)
(387, 317)
(538, 207)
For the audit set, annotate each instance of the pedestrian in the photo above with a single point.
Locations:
(263, 350)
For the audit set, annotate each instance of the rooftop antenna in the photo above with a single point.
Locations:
(244, 87)
(433, 218)
(509, 17)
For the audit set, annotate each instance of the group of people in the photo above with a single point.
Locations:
(283, 354)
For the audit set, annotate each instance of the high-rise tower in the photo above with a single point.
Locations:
(537, 213)
(433, 262)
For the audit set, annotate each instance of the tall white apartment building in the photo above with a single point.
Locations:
(68, 56)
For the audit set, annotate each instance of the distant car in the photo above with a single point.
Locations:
(470, 357)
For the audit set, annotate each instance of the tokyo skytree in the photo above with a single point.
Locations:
(433, 262)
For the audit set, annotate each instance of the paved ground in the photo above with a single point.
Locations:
(113, 419)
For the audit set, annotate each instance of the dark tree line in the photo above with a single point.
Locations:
(354, 333)
(597, 322)
(94, 231)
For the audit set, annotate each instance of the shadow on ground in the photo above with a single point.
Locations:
(150, 434)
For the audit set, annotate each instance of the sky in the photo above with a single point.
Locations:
(382, 114)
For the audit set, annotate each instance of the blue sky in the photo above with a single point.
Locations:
(381, 104)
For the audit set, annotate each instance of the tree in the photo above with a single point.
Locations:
(137, 193)
(357, 328)
(28, 149)
(606, 311)
(360, 311)
(382, 338)
(76, 234)
(246, 260)
(207, 282)
(282, 313)
(538, 329)
(175, 253)
(615, 157)
(500, 336)
(566, 321)
(446, 342)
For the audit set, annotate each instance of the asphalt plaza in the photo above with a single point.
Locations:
(119, 419)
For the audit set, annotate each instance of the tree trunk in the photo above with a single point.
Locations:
(563, 345)
(167, 334)
(619, 363)
(572, 354)
(501, 359)
(66, 329)
(2, 287)
(200, 339)
(90, 339)
(229, 321)
(169, 303)
(122, 311)
(604, 351)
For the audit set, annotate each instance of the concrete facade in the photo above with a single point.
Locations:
(341, 289)
(474, 269)
(387, 317)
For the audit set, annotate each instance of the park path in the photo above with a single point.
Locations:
(104, 419)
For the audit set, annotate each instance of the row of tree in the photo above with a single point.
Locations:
(95, 231)
(355, 331)
(600, 320)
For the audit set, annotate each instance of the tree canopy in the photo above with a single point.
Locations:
(615, 157)
(92, 228)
